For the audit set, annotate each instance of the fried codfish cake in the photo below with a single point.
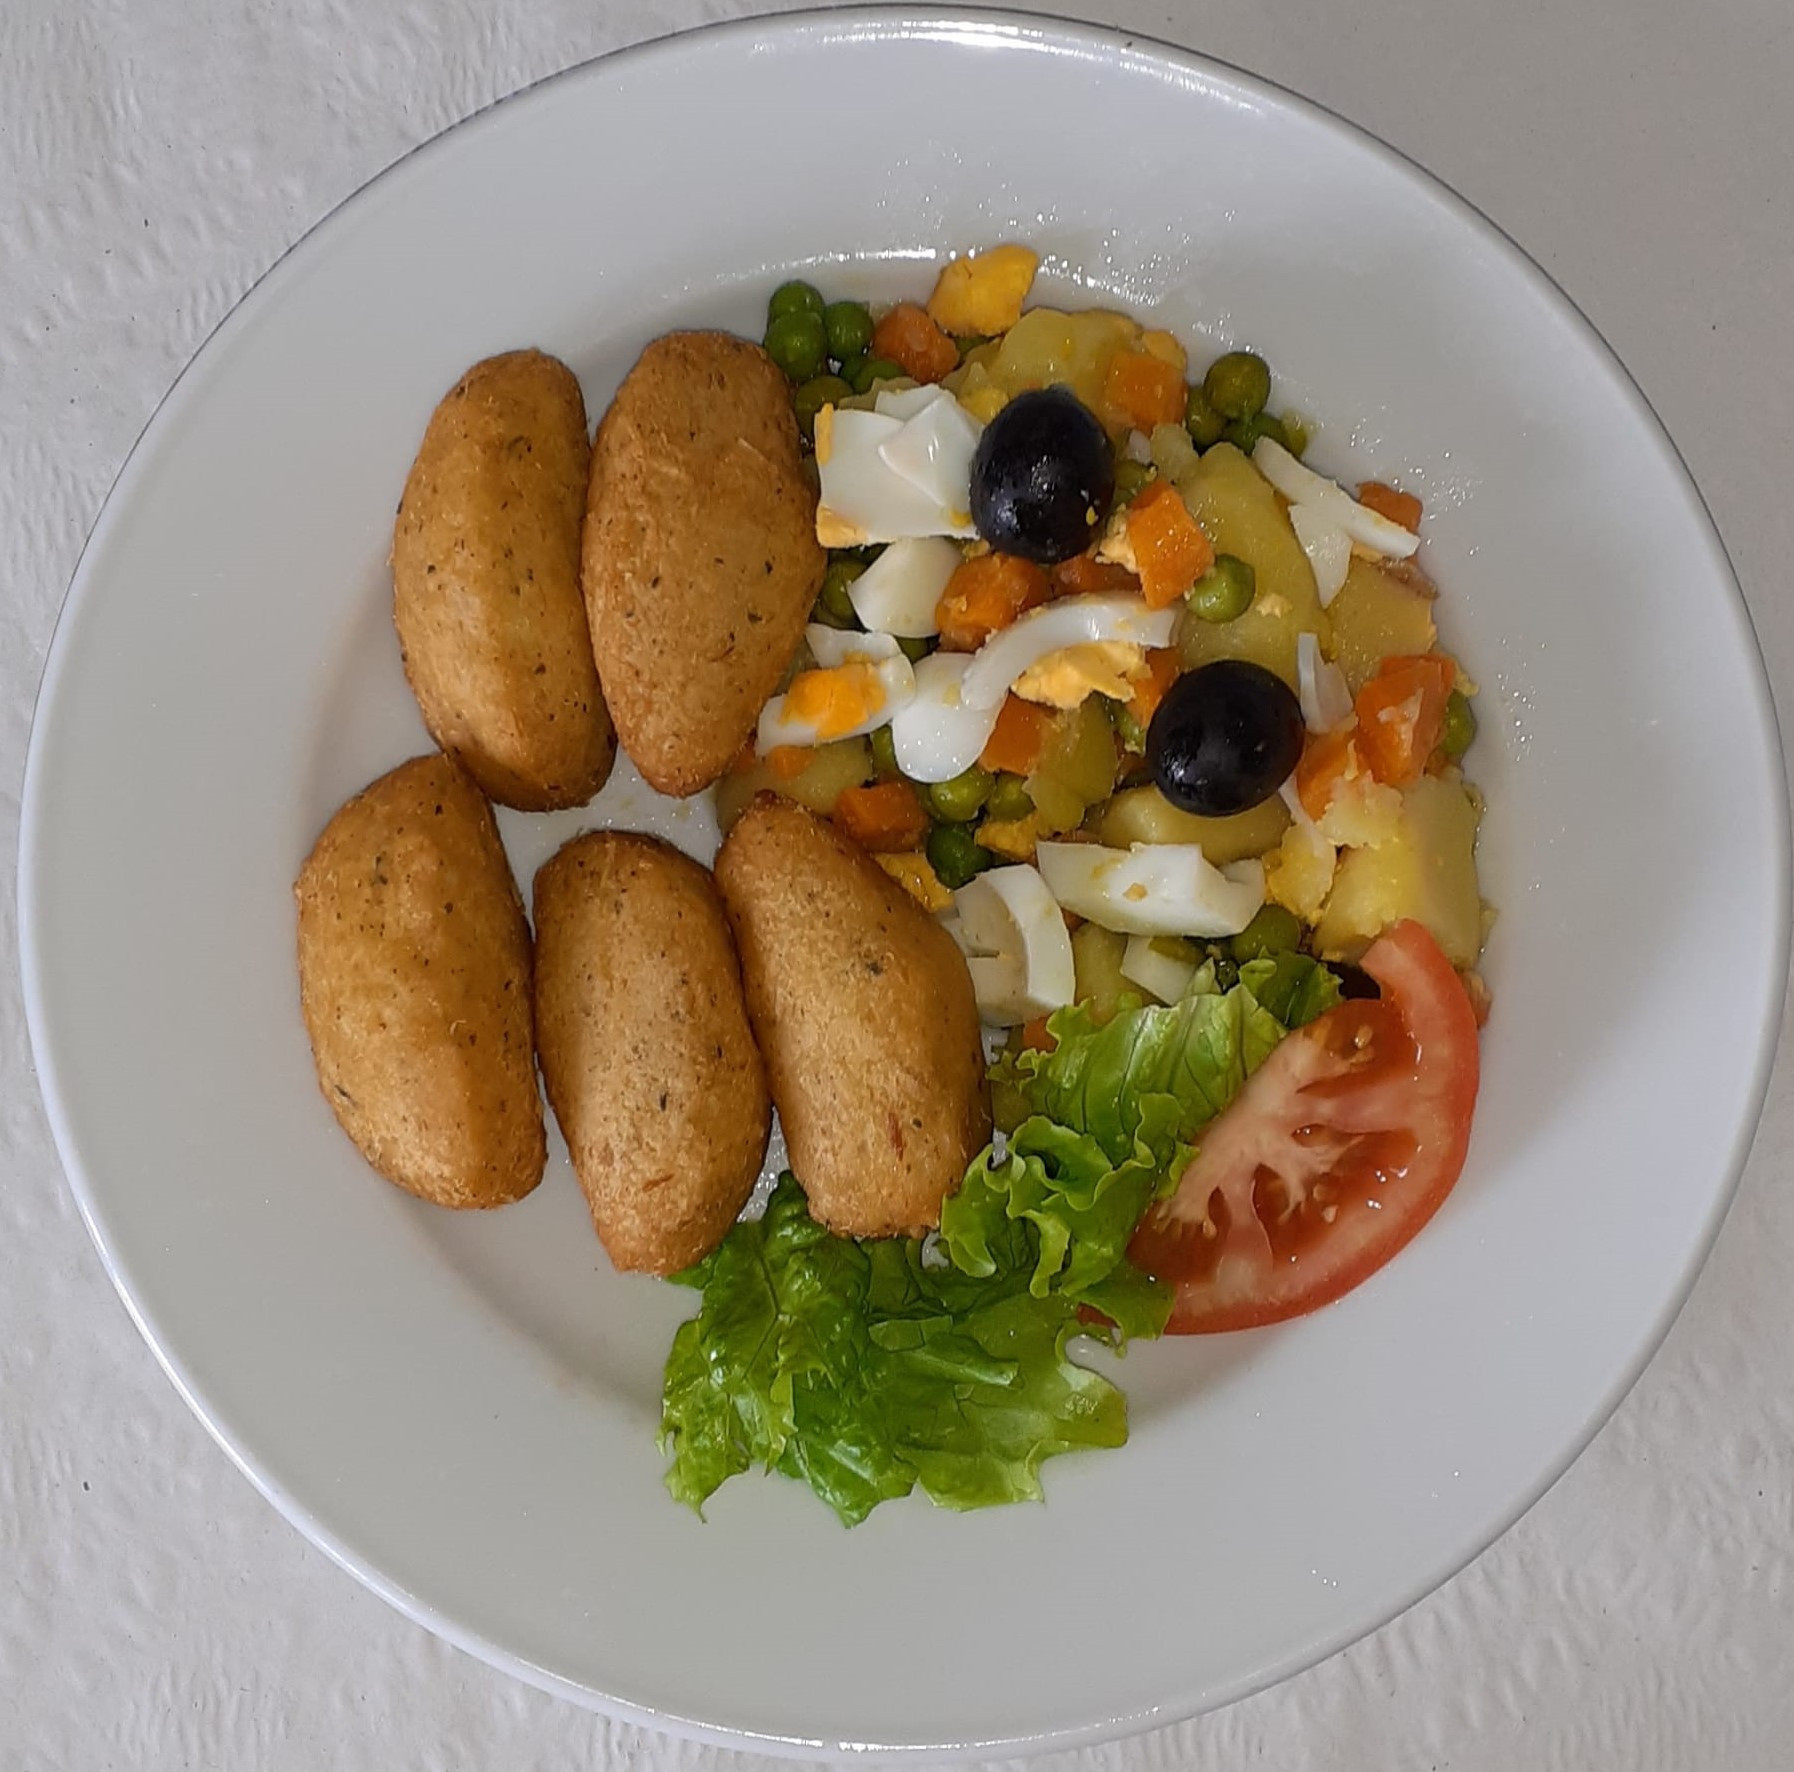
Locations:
(863, 1008)
(643, 1035)
(486, 594)
(701, 558)
(414, 980)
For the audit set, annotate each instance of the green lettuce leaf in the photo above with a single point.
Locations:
(1292, 987)
(863, 1370)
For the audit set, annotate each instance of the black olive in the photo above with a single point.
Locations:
(1224, 738)
(1043, 477)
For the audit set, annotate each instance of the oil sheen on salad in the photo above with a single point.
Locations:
(1157, 719)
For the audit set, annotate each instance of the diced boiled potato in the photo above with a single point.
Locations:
(832, 768)
(1044, 347)
(1077, 768)
(1378, 614)
(1096, 956)
(1144, 815)
(1234, 502)
(1426, 869)
(1299, 872)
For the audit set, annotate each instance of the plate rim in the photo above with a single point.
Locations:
(872, 23)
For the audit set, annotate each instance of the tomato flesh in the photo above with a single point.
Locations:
(1339, 1148)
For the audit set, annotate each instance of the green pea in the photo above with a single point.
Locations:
(1295, 434)
(795, 297)
(972, 340)
(956, 855)
(1201, 420)
(914, 649)
(1238, 384)
(1243, 433)
(960, 800)
(1131, 478)
(1009, 799)
(1273, 931)
(1225, 591)
(833, 604)
(1458, 732)
(849, 328)
(862, 372)
(819, 391)
(796, 343)
(884, 753)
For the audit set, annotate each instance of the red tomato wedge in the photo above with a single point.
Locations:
(1340, 1147)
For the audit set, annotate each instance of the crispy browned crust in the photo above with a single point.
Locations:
(486, 593)
(414, 980)
(701, 558)
(643, 1036)
(863, 1008)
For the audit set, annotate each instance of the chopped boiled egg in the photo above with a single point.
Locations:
(904, 403)
(1065, 678)
(838, 646)
(1321, 688)
(1153, 888)
(933, 452)
(1327, 520)
(936, 734)
(1328, 547)
(839, 701)
(898, 592)
(1016, 946)
(1164, 975)
(885, 477)
(1071, 621)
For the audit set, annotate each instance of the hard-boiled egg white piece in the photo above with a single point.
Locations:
(1072, 621)
(864, 499)
(1016, 945)
(937, 734)
(899, 592)
(842, 701)
(1153, 888)
(904, 403)
(1320, 687)
(1303, 486)
(1165, 977)
(933, 452)
(1328, 547)
(838, 646)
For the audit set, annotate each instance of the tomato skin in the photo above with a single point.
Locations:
(1339, 1149)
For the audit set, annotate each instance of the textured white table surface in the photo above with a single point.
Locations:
(155, 157)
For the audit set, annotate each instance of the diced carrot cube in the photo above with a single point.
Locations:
(914, 343)
(985, 595)
(1018, 738)
(788, 761)
(1170, 549)
(1084, 575)
(885, 817)
(1400, 713)
(1146, 390)
(1162, 667)
(1386, 501)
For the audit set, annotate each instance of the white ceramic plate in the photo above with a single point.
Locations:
(462, 1410)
